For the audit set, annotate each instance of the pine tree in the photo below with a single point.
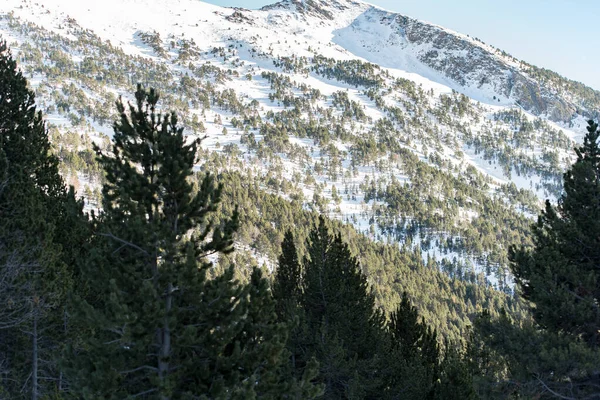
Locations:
(160, 327)
(23, 133)
(287, 288)
(287, 283)
(560, 275)
(343, 326)
(37, 215)
(417, 367)
(411, 335)
(359, 356)
(414, 354)
(265, 338)
(455, 376)
(558, 354)
(287, 291)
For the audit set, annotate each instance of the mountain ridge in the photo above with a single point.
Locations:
(448, 57)
(481, 65)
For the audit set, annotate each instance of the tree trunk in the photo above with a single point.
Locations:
(165, 348)
(60, 376)
(34, 366)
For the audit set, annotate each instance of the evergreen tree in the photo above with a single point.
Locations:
(287, 290)
(39, 220)
(160, 327)
(287, 284)
(560, 275)
(344, 328)
(558, 355)
(411, 336)
(455, 380)
(414, 354)
(265, 339)
(417, 367)
(359, 356)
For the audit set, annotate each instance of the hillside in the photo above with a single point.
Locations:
(419, 138)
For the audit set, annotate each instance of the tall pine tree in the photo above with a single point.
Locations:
(287, 292)
(560, 275)
(418, 368)
(359, 355)
(413, 365)
(343, 327)
(557, 355)
(159, 327)
(287, 284)
(39, 223)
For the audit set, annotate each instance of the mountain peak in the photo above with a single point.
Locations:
(316, 8)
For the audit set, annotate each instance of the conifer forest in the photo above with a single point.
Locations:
(253, 216)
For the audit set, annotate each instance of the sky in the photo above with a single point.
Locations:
(560, 35)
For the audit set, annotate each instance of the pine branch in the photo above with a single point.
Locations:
(126, 243)
(143, 393)
(143, 367)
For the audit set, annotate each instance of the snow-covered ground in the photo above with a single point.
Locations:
(358, 31)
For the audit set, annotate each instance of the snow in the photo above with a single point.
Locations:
(358, 32)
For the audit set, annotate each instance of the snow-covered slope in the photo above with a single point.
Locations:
(409, 131)
(341, 28)
(456, 60)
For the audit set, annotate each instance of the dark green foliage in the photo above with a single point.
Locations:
(287, 286)
(287, 292)
(359, 355)
(332, 313)
(159, 327)
(455, 380)
(410, 335)
(520, 359)
(353, 72)
(559, 277)
(24, 138)
(417, 367)
(414, 361)
(265, 339)
(343, 325)
(40, 222)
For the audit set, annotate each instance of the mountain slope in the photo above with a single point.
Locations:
(414, 134)
(385, 38)
(459, 61)
(482, 72)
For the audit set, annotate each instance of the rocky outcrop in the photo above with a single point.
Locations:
(474, 65)
(471, 64)
(324, 9)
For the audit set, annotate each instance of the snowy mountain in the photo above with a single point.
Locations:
(414, 134)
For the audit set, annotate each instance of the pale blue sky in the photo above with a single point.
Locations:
(561, 35)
